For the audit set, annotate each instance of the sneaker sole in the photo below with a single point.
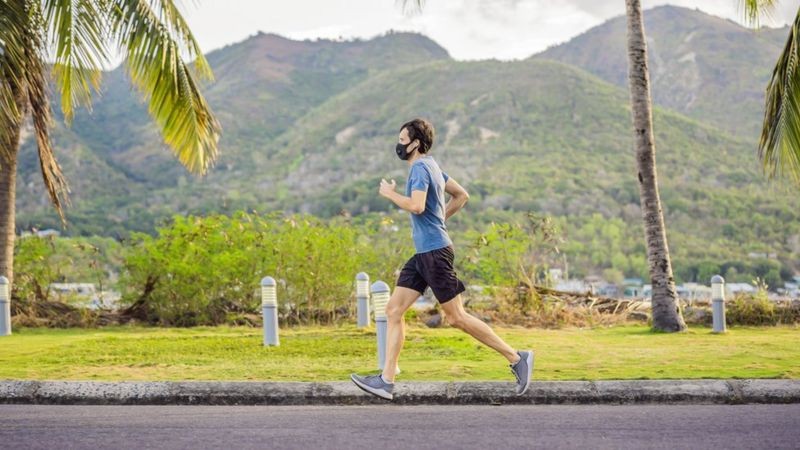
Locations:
(529, 360)
(370, 390)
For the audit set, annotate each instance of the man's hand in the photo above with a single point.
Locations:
(387, 188)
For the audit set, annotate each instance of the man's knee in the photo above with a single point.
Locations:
(394, 313)
(457, 320)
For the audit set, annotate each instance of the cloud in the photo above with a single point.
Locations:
(468, 29)
(729, 9)
(502, 29)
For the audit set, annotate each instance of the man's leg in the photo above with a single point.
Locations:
(402, 299)
(459, 318)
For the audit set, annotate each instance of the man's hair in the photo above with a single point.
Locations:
(423, 130)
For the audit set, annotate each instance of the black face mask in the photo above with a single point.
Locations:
(400, 149)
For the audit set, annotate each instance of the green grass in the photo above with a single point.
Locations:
(318, 354)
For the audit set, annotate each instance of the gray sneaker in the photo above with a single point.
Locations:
(522, 370)
(374, 384)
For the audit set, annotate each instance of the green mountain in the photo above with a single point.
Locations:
(124, 178)
(708, 68)
(311, 126)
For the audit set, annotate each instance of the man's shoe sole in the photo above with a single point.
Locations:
(529, 360)
(369, 390)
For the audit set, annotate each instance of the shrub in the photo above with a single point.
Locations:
(199, 270)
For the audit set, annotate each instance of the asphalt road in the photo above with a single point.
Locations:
(417, 427)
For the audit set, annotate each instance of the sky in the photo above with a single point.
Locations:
(468, 29)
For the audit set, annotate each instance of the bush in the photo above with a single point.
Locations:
(34, 270)
(39, 261)
(205, 271)
(750, 310)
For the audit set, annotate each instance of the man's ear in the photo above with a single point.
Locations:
(415, 148)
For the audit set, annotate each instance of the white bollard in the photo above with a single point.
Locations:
(5, 307)
(380, 297)
(362, 299)
(718, 304)
(269, 309)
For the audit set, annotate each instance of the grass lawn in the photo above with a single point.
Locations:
(332, 353)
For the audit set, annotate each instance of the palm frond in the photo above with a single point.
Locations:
(779, 147)
(411, 7)
(13, 23)
(755, 9)
(29, 85)
(178, 27)
(152, 51)
(76, 32)
(54, 180)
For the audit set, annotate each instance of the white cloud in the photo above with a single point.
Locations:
(468, 29)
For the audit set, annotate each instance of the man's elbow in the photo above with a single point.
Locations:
(417, 209)
(465, 197)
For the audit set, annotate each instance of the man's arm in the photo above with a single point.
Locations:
(458, 197)
(414, 204)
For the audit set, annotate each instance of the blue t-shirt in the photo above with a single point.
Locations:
(428, 229)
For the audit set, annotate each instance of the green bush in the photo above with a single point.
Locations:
(34, 270)
(758, 309)
(200, 270)
(751, 310)
(39, 261)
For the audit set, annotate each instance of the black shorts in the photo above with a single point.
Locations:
(434, 269)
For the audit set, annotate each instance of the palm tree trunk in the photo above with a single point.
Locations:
(666, 314)
(8, 189)
(8, 180)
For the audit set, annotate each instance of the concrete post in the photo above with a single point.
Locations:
(718, 304)
(269, 309)
(380, 297)
(5, 307)
(362, 299)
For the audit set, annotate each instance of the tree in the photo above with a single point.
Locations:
(76, 35)
(779, 146)
(666, 314)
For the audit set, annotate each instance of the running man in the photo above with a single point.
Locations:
(432, 265)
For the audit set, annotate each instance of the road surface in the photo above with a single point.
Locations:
(390, 426)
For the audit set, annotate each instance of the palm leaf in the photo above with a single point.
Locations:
(152, 48)
(38, 99)
(180, 29)
(77, 34)
(755, 9)
(779, 147)
(411, 6)
(13, 23)
(28, 84)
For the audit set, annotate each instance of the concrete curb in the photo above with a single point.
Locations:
(345, 393)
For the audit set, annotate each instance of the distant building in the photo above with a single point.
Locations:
(607, 290)
(41, 233)
(72, 288)
(633, 291)
(735, 288)
(574, 286)
(693, 291)
(686, 291)
(556, 275)
(632, 288)
(85, 293)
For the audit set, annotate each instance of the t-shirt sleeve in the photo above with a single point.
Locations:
(419, 179)
(446, 177)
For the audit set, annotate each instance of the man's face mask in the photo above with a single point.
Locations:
(400, 149)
